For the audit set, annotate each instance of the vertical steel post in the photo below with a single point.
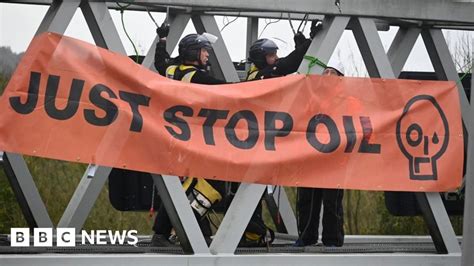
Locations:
(468, 221)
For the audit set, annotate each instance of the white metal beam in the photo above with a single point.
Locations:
(252, 36)
(371, 48)
(443, 11)
(445, 69)
(444, 66)
(25, 190)
(180, 213)
(438, 223)
(237, 218)
(325, 42)
(286, 212)
(101, 26)
(84, 197)
(58, 16)
(468, 221)
(436, 10)
(401, 47)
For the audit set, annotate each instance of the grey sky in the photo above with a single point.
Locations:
(18, 24)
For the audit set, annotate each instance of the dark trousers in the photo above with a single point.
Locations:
(309, 208)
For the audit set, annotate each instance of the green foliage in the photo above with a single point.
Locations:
(3, 83)
(365, 214)
(10, 213)
(56, 182)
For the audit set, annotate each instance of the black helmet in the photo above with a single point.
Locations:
(191, 45)
(259, 50)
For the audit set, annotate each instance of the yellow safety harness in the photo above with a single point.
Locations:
(181, 72)
(202, 195)
(252, 73)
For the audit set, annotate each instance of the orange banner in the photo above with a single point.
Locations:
(73, 101)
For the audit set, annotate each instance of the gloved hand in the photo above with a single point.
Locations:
(163, 30)
(316, 26)
(299, 39)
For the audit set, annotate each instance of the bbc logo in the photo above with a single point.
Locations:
(43, 237)
(66, 237)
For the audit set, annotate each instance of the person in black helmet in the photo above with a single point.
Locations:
(189, 66)
(309, 201)
(265, 61)
(266, 64)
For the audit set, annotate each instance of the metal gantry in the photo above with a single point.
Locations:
(364, 18)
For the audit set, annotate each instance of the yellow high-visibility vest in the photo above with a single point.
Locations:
(181, 72)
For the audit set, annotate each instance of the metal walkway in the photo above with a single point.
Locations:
(283, 244)
(355, 248)
(365, 251)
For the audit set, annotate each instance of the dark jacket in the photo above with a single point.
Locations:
(283, 66)
(163, 61)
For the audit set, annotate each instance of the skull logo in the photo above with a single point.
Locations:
(422, 142)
